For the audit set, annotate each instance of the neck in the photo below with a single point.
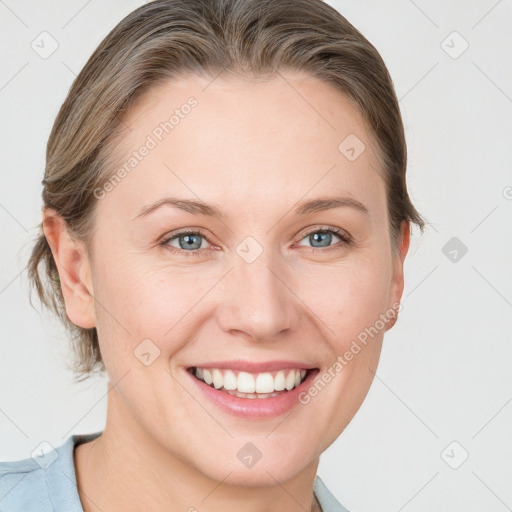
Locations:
(125, 469)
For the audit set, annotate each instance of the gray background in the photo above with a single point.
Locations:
(445, 372)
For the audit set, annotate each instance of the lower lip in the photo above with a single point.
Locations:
(255, 407)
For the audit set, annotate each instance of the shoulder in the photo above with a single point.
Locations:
(327, 501)
(44, 482)
(21, 483)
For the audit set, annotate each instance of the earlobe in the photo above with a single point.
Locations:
(73, 264)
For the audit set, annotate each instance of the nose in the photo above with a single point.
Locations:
(257, 302)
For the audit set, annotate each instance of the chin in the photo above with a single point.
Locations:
(257, 476)
(247, 467)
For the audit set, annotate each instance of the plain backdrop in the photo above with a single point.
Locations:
(442, 392)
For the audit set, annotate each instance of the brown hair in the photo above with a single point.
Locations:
(167, 38)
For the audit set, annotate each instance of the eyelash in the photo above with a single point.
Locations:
(344, 237)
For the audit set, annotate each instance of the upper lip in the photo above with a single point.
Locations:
(255, 367)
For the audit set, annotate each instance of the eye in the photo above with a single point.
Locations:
(188, 241)
(192, 242)
(321, 238)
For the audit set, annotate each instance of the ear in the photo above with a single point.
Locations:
(74, 268)
(397, 283)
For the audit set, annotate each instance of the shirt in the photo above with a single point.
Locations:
(46, 482)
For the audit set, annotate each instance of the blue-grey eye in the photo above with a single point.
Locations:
(187, 241)
(323, 238)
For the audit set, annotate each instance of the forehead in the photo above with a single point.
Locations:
(265, 140)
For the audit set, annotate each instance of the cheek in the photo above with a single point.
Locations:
(350, 299)
(153, 302)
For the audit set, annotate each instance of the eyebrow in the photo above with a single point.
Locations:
(304, 208)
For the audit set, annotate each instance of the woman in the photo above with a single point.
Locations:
(225, 224)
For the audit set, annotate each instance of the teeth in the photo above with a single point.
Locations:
(290, 381)
(279, 381)
(207, 376)
(265, 383)
(218, 379)
(230, 381)
(248, 385)
(252, 395)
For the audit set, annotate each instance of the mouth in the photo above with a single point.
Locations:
(243, 391)
(250, 385)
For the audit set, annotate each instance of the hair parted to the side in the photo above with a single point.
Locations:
(164, 39)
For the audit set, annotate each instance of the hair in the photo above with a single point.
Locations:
(165, 39)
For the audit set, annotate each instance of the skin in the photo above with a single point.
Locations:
(253, 150)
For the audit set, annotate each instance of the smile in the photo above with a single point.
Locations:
(253, 390)
(251, 385)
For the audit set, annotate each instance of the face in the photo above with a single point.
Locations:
(270, 258)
